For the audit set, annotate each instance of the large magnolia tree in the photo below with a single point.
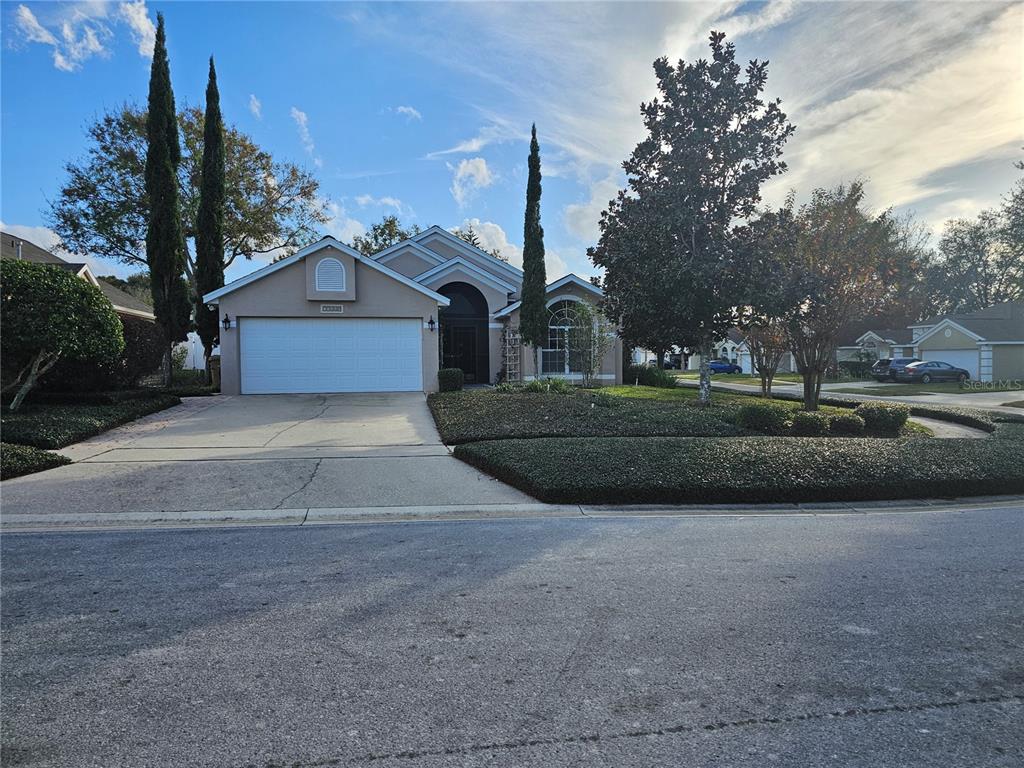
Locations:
(102, 208)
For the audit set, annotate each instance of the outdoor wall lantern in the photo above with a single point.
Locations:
(226, 322)
(431, 324)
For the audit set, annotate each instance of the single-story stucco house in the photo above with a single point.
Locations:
(988, 343)
(733, 348)
(329, 319)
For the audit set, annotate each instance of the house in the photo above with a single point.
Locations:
(329, 319)
(988, 343)
(12, 247)
(733, 348)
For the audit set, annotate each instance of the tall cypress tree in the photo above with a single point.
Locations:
(533, 319)
(165, 242)
(210, 219)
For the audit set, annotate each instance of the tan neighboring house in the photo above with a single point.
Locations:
(13, 247)
(988, 343)
(329, 319)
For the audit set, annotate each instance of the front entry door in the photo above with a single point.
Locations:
(460, 350)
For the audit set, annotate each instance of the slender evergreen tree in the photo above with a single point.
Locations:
(210, 219)
(165, 242)
(533, 319)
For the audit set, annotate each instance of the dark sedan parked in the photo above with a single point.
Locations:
(886, 369)
(933, 370)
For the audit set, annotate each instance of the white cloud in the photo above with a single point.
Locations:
(255, 106)
(410, 112)
(493, 238)
(76, 32)
(582, 219)
(497, 131)
(468, 177)
(364, 201)
(46, 238)
(340, 224)
(136, 16)
(302, 123)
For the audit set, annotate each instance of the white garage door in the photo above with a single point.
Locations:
(958, 358)
(330, 355)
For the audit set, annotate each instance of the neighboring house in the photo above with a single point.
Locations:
(329, 319)
(874, 345)
(733, 348)
(12, 247)
(989, 343)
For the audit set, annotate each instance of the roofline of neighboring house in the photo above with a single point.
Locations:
(570, 278)
(458, 242)
(135, 312)
(326, 242)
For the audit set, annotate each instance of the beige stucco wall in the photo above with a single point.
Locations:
(1007, 361)
(956, 340)
(409, 263)
(283, 294)
(610, 366)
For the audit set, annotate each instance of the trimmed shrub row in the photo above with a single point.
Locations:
(17, 460)
(777, 419)
(884, 418)
(55, 425)
(752, 469)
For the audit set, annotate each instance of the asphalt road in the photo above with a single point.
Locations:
(877, 640)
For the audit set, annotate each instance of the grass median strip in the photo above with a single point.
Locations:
(629, 470)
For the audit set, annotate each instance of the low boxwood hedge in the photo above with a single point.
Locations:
(56, 425)
(846, 425)
(766, 417)
(749, 469)
(883, 418)
(17, 460)
(810, 423)
(450, 379)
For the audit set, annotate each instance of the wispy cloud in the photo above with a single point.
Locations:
(409, 112)
(468, 177)
(366, 201)
(302, 124)
(255, 106)
(76, 32)
(496, 131)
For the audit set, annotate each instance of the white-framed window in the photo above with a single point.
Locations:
(556, 359)
(330, 275)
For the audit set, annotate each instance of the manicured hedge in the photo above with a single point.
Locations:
(464, 417)
(17, 460)
(450, 379)
(884, 418)
(810, 423)
(766, 417)
(649, 376)
(57, 425)
(846, 424)
(750, 469)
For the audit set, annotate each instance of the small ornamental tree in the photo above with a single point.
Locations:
(47, 315)
(533, 315)
(590, 338)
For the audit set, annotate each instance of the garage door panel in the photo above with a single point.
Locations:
(295, 355)
(959, 358)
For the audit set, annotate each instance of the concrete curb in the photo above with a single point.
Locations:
(29, 522)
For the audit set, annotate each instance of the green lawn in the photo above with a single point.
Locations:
(946, 387)
(740, 378)
(54, 425)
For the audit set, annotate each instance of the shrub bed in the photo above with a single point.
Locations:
(17, 460)
(846, 425)
(450, 379)
(464, 417)
(768, 418)
(810, 423)
(751, 469)
(884, 418)
(649, 376)
(56, 425)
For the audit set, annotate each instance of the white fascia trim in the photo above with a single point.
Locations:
(562, 297)
(459, 243)
(389, 253)
(86, 274)
(577, 280)
(507, 310)
(947, 323)
(327, 242)
(135, 312)
(442, 269)
(994, 343)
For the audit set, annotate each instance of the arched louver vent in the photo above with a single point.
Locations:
(330, 275)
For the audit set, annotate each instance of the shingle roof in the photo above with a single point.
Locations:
(32, 252)
(1002, 322)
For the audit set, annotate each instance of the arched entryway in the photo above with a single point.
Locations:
(464, 337)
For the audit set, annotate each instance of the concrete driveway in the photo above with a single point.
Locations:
(263, 453)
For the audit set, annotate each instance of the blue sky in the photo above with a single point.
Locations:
(424, 109)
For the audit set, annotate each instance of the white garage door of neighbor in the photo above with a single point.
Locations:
(958, 358)
(293, 355)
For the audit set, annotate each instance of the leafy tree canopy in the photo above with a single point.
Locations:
(383, 234)
(47, 314)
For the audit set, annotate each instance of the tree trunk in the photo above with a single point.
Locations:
(766, 383)
(661, 358)
(37, 368)
(812, 388)
(168, 366)
(704, 397)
